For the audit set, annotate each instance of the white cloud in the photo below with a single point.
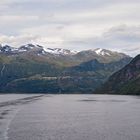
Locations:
(17, 41)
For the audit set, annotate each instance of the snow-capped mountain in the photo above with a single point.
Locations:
(100, 54)
(7, 48)
(29, 47)
(54, 69)
(40, 49)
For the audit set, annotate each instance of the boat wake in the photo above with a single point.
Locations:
(8, 111)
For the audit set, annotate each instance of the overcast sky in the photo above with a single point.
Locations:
(72, 24)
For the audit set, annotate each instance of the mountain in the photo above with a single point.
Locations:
(96, 66)
(125, 81)
(33, 68)
(84, 78)
(65, 56)
(31, 47)
(102, 55)
(6, 49)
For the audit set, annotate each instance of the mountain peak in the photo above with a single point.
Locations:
(59, 51)
(98, 50)
(102, 52)
(30, 46)
(6, 49)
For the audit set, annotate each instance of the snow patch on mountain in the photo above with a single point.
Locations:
(6, 48)
(103, 52)
(59, 51)
(40, 50)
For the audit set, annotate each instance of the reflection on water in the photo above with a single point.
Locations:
(70, 117)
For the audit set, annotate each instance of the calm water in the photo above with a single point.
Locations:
(69, 117)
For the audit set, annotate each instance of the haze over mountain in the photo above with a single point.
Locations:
(33, 68)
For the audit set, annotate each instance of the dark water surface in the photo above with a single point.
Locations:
(69, 117)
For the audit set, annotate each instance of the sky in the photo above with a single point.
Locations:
(72, 24)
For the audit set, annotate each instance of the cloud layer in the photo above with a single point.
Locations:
(73, 24)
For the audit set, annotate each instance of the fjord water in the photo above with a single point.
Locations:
(69, 117)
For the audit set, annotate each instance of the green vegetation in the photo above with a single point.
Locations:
(80, 73)
(125, 81)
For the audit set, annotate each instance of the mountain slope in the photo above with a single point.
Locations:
(16, 67)
(125, 81)
(96, 66)
(62, 57)
(102, 55)
(33, 68)
(84, 78)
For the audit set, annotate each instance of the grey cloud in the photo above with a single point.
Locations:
(122, 38)
(72, 24)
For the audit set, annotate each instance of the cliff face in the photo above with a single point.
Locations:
(125, 81)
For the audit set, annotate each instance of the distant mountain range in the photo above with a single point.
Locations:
(39, 49)
(56, 51)
(63, 56)
(125, 81)
(36, 69)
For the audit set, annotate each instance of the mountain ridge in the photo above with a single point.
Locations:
(59, 51)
